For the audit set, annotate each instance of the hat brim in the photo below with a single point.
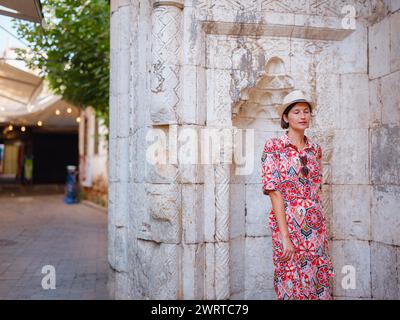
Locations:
(282, 108)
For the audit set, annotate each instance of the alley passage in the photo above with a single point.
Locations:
(41, 230)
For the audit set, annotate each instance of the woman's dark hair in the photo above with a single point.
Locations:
(284, 124)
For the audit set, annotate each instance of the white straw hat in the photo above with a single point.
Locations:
(292, 97)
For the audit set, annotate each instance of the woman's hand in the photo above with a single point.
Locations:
(288, 249)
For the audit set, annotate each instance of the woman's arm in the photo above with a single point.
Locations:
(271, 186)
(279, 210)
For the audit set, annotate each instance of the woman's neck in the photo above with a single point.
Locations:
(297, 138)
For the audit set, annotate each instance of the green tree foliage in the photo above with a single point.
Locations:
(71, 48)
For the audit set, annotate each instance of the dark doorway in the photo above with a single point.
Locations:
(52, 152)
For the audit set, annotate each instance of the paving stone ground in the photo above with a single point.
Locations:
(41, 230)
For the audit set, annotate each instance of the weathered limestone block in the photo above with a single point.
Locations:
(385, 142)
(258, 268)
(257, 211)
(394, 5)
(193, 268)
(193, 213)
(375, 102)
(171, 154)
(303, 65)
(194, 108)
(353, 109)
(390, 98)
(161, 157)
(157, 268)
(164, 209)
(137, 159)
(138, 209)
(251, 155)
(346, 56)
(238, 213)
(189, 154)
(237, 267)
(121, 249)
(118, 225)
(194, 43)
(384, 277)
(276, 25)
(219, 50)
(116, 4)
(350, 163)
(327, 95)
(351, 212)
(385, 209)
(209, 203)
(379, 49)
(209, 274)
(320, 27)
(119, 161)
(123, 286)
(395, 42)
(356, 255)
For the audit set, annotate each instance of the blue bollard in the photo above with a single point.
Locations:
(70, 196)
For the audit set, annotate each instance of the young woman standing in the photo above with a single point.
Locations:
(292, 177)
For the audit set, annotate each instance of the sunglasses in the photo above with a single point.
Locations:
(304, 169)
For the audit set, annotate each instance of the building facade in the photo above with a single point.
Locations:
(181, 69)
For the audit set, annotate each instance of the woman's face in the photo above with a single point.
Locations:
(299, 116)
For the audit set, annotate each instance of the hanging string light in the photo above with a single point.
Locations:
(23, 129)
(39, 123)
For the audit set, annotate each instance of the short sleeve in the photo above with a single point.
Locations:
(270, 174)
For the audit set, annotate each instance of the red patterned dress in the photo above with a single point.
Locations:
(310, 273)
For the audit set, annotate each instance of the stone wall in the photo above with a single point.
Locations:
(185, 231)
(384, 84)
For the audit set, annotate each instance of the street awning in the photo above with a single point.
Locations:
(19, 91)
(25, 100)
(30, 10)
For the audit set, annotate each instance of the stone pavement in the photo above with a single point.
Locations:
(41, 230)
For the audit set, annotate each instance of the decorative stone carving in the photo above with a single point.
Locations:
(266, 95)
(166, 62)
(164, 224)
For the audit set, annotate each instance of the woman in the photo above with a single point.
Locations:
(292, 177)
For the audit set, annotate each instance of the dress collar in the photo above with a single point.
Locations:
(286, 141)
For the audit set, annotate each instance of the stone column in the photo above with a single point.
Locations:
(123, 22)
(222, 254)
(221, 121)
(166, 62)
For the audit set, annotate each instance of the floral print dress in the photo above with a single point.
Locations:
(309, 275)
